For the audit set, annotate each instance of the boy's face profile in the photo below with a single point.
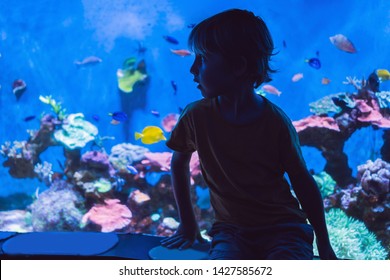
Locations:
(214, 74)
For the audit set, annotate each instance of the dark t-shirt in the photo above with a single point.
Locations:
(243, 165)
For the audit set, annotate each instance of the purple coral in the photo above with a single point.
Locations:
(98, 161)
(375, 177)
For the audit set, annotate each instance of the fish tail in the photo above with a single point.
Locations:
(137, 135)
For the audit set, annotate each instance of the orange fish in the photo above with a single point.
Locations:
(271, 89)
(342, 43)
(115, 122)
(297, 77)
(182, 53)
(325, 81)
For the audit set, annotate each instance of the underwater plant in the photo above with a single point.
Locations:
(351, 239)
(55, 106)
(325, 183)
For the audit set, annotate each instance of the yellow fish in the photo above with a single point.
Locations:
(383, 74)
(150, 135)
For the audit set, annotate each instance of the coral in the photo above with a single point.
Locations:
(375, 177)
(317, 122)
(325, 183)
(44, 172)
(169, 121)
(324, 106)
(110, 216)
(383, 99)
(130, 75)
(351, 239)
(15, 221)
(371, 114)
(98, 161)
(125, 154)
(75, 132)
(60, 208)
(160, 160)
(55, 106)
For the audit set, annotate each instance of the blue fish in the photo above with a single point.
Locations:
(29, 118)
(132, 169)
(314, 62)
(95, 117)
(174, 86)
(119, 116)
(171, 40)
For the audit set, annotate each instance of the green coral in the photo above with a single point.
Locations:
(102, 185)
(76, 132)
(56, 106)
(351, 239)
(325, 105)
(130, 75)
(325, 183)
(383, 99)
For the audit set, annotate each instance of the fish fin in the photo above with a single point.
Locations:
(137, 135)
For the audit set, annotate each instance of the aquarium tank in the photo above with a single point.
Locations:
(90, 91)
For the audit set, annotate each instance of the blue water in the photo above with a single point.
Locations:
(40, 40)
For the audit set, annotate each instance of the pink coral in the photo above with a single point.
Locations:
(110, 216)
(316, 121)
(169, 122)
(159, 160)
(371, 114)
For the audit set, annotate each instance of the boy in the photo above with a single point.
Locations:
(245, 145)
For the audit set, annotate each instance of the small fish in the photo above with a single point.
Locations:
(132, 169)
(181, 53)
(88, 61)
(18, 88)
(29, 118)
(383, 74)
(342, 43)
(325, 81)
(150, 135)
(317, 53)
(141, 49)
(314, 62)
(284, 44)
(174, 86)
(297, 77)
(115, 122)
(171, 40)
(155, 113)
(271, 89)
(191, 25)
(119, 116)
(95, 117)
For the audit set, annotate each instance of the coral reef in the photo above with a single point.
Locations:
(351, 239)
(110, 216)
(15, 221)
(325, 183)
(60, 208)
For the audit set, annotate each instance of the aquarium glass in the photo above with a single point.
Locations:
(91, 89)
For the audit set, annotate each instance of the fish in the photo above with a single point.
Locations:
(95, 117)
(115, 122)
(88, 61)
(325, 81)
(119, 116)
(18, 88)
(383, 74)
(314, 62)
(181, 53)
(29, 118)
(155, 113)
(132, 169)
(150, 135)
(297, 77)
(141, 49)
(171, 40)
(271, 89)
(284, 44)
(174, 86)
(191, 25)
(373, 82)
(342, 43)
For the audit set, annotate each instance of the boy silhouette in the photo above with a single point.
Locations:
(245, 145)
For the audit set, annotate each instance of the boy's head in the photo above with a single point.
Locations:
(236, 34)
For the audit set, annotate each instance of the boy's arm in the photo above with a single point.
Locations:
(309, 196)
(188, 230)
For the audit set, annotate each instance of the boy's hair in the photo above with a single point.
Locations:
(235, 33)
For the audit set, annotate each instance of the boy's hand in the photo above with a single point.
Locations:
(183, 238)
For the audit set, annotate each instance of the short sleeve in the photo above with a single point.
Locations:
(181, 138)
(290, 149)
